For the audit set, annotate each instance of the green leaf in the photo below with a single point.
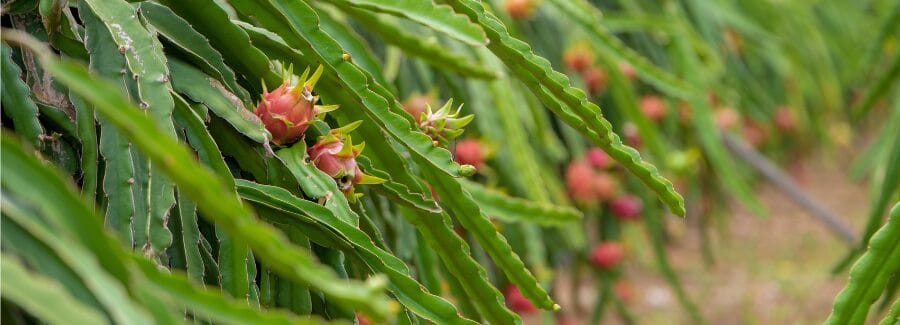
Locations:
(187, 39)
(513, 209)
(426, 48)
(870, 274)
(43, 297)
(469, 214)
(315, 183)
(215, 201)
(438, 17)
(569, 103)
(212, 21)
(297, 24)
(410, 293)
(17, 103)
(207, 90)
(211, 303)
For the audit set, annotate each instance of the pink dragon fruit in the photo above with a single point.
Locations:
(580, 181)
(336, 155)
(517, 302)
(606, 255)
(288, 110)
(594, 80)
(470, 152)
(599, 159)
(626, 207)
(653, 107)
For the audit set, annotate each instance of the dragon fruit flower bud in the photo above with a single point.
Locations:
(626, 207)
(335, 155)
(287, 111)
(517, 302)
(606, 255)
(443, 124)
(653, 107)
(599, 159)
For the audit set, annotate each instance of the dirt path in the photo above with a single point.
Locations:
(772, 270)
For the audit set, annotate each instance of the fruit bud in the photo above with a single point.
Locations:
(653, 107)
(469, 152)
(517, 302)
(626, 207)
(632, 136)
(287, 111)
(754, 133)
(578, 58)
(599, 159)
(606, 255)
(443, 125)
(335, 155)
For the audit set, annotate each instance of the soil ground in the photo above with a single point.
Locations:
(767, 270)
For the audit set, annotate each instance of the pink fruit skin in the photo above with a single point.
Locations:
(599, 159)
(469, 152)
(517, 302)
(595, 80)
(606, 255)
(626, 207)
(653, 107)
(726, 118)
(578, 58)
(580, 181)
(519, 9)
(325, 156)
(416, 105)
(286, 112)
(605, 186)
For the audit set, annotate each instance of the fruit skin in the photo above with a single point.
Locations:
(594, 80)
(417, 104)
(517, 302)
(631, 134)
(626, 207)
(653, 107)
(469, 152)
(287, 111)
(519, 9)
(580, 181)
(335, 155)
(605, 186)
(784, 119)
(627, 70)
(578, 58)
(726, 118)
(606, 255)
(599, 159)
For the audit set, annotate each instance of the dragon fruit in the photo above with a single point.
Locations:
(417, 104)
(578, 58)
(627, 70)
(519, 9)
(336, 155)
(653, 107)
(606, 255)
(626, 207)
(580, 181)
(784, 119)
(594, 80)
(599, 159)
(442, 125)
(517, 302)
(287, 111)
(470, 152)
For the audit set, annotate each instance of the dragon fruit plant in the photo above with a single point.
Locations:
(161, 165)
